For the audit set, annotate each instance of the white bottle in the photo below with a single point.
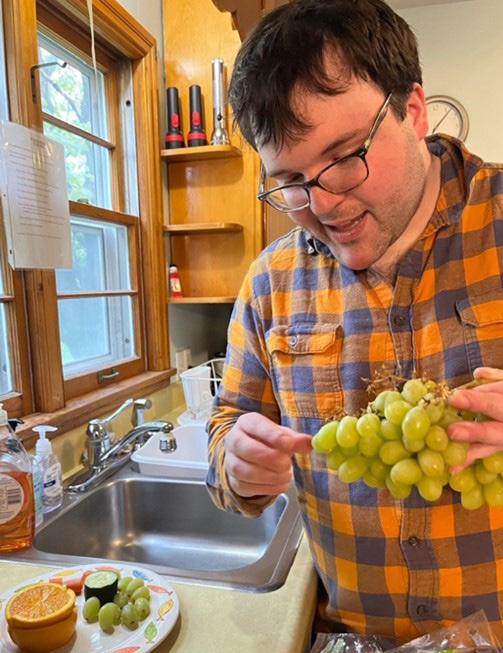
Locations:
(37, 491)
(50, 470)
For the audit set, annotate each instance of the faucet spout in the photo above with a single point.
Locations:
(133, 434)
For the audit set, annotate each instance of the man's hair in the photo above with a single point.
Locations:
(290, 47)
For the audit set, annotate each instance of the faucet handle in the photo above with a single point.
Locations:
(139, 405)
(95, 430)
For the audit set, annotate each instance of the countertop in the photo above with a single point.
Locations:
(216, 620)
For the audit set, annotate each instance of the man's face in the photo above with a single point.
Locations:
(360, 225)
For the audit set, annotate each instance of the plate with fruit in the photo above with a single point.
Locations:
(89, 609)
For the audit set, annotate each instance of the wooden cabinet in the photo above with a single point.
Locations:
(215, 222)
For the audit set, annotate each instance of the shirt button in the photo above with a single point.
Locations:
(413, 540)
(293, 340)
(421, 609)
(398, 320)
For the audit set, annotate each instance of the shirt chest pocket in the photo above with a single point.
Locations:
(305, 373)
(482, 321)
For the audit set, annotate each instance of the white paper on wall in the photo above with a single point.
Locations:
(34, 199)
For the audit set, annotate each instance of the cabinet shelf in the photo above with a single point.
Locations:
(201, 300)
(200, 153)
(196, 228)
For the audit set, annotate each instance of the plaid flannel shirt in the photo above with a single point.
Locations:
(306, 332)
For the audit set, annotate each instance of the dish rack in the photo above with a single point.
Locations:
(200, 385)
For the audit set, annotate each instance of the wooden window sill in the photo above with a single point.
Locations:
(80, 410)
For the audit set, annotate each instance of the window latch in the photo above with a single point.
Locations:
(102, 377)
(34, 69)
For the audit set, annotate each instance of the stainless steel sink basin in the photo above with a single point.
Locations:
(172, 527)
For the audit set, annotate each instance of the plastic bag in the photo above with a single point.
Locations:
(351, 643)
(471, 634)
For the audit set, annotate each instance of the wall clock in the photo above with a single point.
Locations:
(447, 116)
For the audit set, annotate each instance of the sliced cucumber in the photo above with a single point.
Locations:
(102, 584)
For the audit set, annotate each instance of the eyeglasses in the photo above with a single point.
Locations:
(340, 176)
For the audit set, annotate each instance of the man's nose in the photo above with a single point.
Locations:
(324, 201)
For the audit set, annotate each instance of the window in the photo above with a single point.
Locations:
(66, 333)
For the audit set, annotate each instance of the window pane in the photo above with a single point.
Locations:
(5, 370)
(95, 332)
(100, 258)
(75, 94)
(87, 167)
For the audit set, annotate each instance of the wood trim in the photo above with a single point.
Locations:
(201, 300)
(88, 382)
(106, 215)
(200, 153)
(151, 209)
(198, 228)
(244, 13)
(78, 411)
(77, 131)
(92, 295)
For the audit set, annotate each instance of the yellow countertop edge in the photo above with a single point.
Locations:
(214, 620)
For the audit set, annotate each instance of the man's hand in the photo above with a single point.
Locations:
(258, 455)
(485, 438)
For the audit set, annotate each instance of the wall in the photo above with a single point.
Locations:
(462, 56)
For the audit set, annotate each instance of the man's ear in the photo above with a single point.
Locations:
(416, 111)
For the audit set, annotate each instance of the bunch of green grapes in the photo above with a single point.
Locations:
(401, 441)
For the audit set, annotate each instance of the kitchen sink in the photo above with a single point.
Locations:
(171, 526)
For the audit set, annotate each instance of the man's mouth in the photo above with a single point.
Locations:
(346, 226)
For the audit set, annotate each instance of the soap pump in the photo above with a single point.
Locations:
(50, 470)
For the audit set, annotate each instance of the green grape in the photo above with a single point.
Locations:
(467, 415)
(368, 424)
(450, 416)
(353, 469)
(372, 481)
(463, 481)
(434, 407)
(413, 446)
(431, 463)
(123, 583)
(140, 593)
(369, 445)
(390, 431)
(444, 478)
(436, 438)
(378, 469)
(391, 452)
(397, 491)
(416, 423)
(480, 417)
(107, 615)
(494, 463)
(91, 608)
(405, 472)
(413, 391)
(121, 598)
(493, 493)
(455, 453)
(430, 488)
(392, 396)
(482, 475)
(335, 459)
(325, 440)
(378, 404)
(395, 411)
(129, 616)
(473, 499)
(134, 585)
(347, 435)
(350, 452)
(142, 607)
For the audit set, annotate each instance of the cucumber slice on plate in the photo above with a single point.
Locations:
(102, 584)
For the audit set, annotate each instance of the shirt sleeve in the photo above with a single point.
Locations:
(245, 387)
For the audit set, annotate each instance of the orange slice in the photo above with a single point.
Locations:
(45, 638)
(39, 605)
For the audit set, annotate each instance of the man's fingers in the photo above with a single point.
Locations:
(488, 373)
(243, 470)
(487, 433)
(258, 453)
(244, 489)
(277, 437)
(488, 402)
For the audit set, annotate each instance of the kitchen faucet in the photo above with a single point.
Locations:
(101, 457)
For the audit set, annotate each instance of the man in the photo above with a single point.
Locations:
(396, 263)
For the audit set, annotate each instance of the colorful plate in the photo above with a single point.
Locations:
(89, 638)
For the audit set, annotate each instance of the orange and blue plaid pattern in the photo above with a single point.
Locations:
(306, 333)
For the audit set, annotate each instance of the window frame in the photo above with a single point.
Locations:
(53, 400)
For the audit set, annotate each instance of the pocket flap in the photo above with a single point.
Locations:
(487, 310)
(302, 338)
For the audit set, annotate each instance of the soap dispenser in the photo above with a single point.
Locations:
(17, 515)
(50, 470)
